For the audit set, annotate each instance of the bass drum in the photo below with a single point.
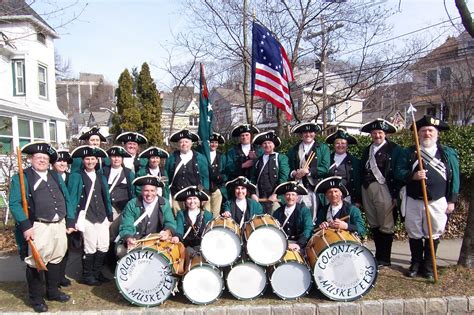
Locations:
(202, 283)
(291, 277)
(144, 277)
(246, 280)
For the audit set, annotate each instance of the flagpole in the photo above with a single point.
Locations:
(412, 110)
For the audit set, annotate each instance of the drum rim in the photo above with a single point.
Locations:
(246, 261)
(213, 268)
(311, 276)
(239, 254)
(362, 294)
(279, 259)
(175, 280)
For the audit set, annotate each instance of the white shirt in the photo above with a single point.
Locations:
(43, 175)
(193, 215)
(265, 159)
(338, 158)
(150, 206)
(128, 162)
(186, 157)
(246, 148)
(431, 150)
(63, 175)
(92, 175)
(377, 147)
(334, 210)
(213, 156)
(307, 147)
(114, 173)
(241, 204)
(289, 210)
(154, 171)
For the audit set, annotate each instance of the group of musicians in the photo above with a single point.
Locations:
(114, 198)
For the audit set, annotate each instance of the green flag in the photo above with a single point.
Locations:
(205, 115)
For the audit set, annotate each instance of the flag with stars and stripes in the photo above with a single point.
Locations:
(205, 115)
(271, 70)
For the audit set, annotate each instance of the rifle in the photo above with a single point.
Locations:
(34, 251)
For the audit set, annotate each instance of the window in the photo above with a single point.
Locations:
(193, 120)
(43, 81)
(432, 79)
(331, 113)
(18, 67)
(53, 131)
(445, 76)
(24, 133)
(38, 131)
(41, 38)
(270, 111)
(6, 136)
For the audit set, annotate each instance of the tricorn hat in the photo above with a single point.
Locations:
(217, 137)
(154, 151)
(130, 136)
(291, 186)
(148, 180)
(379, 124)
(94, 131)
(429, 120)
(184, 133)
(241, 181)
(244, 128)
(305, 126)
(267, 136)
(64, 155)
(331, 182)
(191, 191)
(41, 147)
(341, 134)
(87, 150)
(117, 150)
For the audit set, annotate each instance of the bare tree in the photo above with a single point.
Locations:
(62, 67)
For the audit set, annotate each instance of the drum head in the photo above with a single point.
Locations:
(267, 245)
(144, 277)
(246, 281)
(345, 271)
(291, 280)
(220, 246)
(203, 284)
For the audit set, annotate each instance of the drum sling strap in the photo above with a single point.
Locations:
(137, 222)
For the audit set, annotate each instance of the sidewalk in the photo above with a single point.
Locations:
(448, 253)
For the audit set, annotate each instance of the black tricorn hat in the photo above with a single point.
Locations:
(217, 137)
(244, 128)
(130, 136)
(191, 191)
(267, 136)
(154, 151)
(241, 181)
(429, 120)
(379, 124)
(41, 147)
(184, 133)
(148, 180)
(64, 155)
(331, 182)
(117, 150)
(291, 186)
(341, 134)
(94, 131)
(87, 150)
(305, 126)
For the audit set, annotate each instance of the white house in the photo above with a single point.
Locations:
(28, 107)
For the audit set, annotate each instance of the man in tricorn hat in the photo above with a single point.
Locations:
(379, 186)
(441, 173)
(155, 167)
(131, 142)
(242, 156)
(185, 166)
(94, 138)
(309, 173)
(50, 214)
(217, 176)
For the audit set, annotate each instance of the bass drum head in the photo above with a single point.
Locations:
(144, 277)
(203, 284)
(291, 280)
(246, 281)
(220, 246)
(345, 271)
(267, 245)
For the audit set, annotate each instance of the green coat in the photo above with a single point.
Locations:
(182, 227)
(134, 209)
(319, 166)
(356, 223)
(234, 162)
(202, 163)
(354, 182)
(254, 208)
(304, 223)
(282, 171)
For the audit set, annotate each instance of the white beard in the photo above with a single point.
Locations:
(428, 142)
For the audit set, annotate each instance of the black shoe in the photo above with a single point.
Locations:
(40, 307)
(90, 281)
(102, 279)
(65, 282)
(382, 264)
(413, 271)
(62, 297)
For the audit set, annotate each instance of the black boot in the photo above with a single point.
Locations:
(64, 282)
(428, 272)
(87, 270)
(376, 237)
(386, 240)
(35, 290)
(53, 277)
(416, 249)
(98, 264)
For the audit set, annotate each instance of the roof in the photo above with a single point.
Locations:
(180, 106)
(101, 118)
(231, 95)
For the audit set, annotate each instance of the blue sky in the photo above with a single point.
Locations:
(111, 35)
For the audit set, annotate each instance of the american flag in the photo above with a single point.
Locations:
(271, 71)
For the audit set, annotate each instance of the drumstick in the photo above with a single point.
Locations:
(309, 160)
(148, 239)
(342, 219)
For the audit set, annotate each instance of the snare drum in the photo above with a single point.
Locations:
(266, 240)
(203, 282)
(246, 280)
(144, 277)
(221, 243)
(291, 277)
(174, 252)
(344, 270)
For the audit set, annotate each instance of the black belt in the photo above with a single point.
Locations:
(46, 221)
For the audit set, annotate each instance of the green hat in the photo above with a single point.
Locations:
(237, 131)
(118, 151)
(184, 133)
(94, 131)
(291, 186)
(241, 181)
(148, 180)
(131, 137)
(331, 182)
(267, 136)
(87, 150)
(305, 127)
(154, 151)
(429, 120)
(41, 147)
(191, 191)
(341, 134)
(379, 124)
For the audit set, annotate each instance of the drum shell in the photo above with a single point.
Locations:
(259, 221)
(174, 252)
(221, 224)
(258, 270)
(227, 223)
